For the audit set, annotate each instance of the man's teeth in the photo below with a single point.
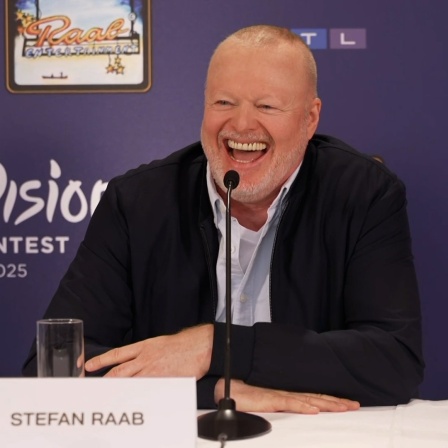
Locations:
(246, 146)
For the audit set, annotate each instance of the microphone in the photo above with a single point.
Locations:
(227, 423)
(231, 181)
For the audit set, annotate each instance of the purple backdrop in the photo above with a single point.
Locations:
(389, 98)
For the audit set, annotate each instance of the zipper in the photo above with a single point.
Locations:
(211, 273)
(272, 257)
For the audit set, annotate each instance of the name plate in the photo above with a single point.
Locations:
(98, 412)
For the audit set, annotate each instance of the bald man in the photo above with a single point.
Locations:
(325, 311)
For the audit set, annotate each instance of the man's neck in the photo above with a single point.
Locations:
(252, 216)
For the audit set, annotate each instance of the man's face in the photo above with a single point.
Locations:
(258, 118)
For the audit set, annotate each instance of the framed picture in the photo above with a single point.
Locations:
(74, 46)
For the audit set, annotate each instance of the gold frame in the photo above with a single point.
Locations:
(15, 88)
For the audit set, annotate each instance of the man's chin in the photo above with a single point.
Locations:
(247, 195)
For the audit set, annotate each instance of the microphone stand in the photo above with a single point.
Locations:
(227, 423)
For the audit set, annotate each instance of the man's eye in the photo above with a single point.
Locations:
(265, 107)
(223, 103)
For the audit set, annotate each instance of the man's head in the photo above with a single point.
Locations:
(261, 108)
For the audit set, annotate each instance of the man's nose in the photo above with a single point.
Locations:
(244, 118)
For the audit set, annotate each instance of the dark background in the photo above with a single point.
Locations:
(389, 99)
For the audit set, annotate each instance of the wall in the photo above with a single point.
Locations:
(389, 98)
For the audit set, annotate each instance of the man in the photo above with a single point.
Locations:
(325, 300)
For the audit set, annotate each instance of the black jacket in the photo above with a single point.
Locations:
(344, 301)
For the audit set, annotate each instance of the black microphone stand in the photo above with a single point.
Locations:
(227, 423)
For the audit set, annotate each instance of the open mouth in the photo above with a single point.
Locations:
(246, 152)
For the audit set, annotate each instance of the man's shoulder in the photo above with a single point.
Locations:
(332, 154)
(334, 165)
(165, 170)
(335, 149)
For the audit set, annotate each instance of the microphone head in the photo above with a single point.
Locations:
(231, 179)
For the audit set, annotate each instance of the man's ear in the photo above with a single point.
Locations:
(313, 117)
